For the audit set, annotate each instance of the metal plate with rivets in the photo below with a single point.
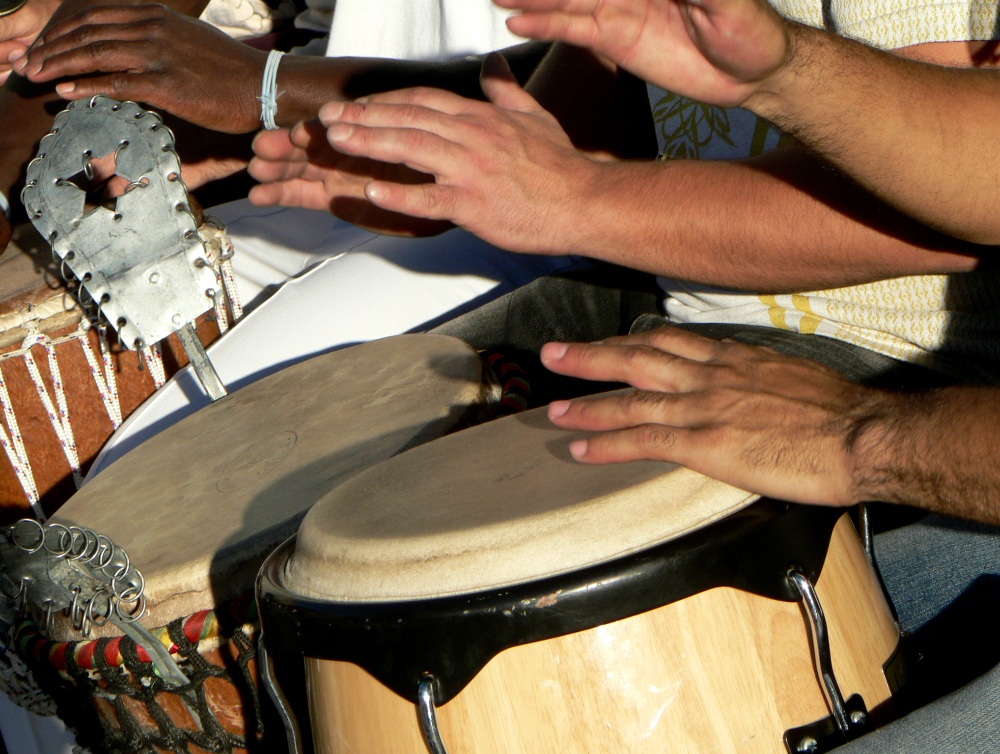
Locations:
(142, 263)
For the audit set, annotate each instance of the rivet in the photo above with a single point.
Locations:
(858, 717)
(807, 745)
(176, 319)
(154, 278)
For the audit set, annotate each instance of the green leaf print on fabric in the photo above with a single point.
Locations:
(687, 127)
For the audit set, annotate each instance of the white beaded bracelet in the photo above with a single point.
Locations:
(269, 90)
(4, 204)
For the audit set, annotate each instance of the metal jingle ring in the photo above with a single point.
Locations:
(63, 532)
(109, 547)
(131, 588)
(122, 571)
(41, 533)
(21, 586)
(128, 617)
(79, 532)
(90, 609)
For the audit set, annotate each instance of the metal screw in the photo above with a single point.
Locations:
(807, 745)
(858, 717)
(154, 278)
(176, 319)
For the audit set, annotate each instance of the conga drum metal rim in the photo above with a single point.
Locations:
(402, 642)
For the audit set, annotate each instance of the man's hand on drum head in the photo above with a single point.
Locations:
(772, 424)
(505, 171)
(153, 55)
(19, 29)
(299, 168)
(715, 51)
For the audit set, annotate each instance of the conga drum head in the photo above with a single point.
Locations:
(491, 507)
(198, 506)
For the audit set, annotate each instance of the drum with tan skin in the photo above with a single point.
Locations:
(33, 297)
(548, 606)
(200, 505)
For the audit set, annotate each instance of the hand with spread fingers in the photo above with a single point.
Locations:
(19, 29)
(773, 424)
(504, 170)
(299, 168)
(156, 56)
(714, 51)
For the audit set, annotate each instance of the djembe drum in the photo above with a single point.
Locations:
(196, 509)
(51, 428)
(513, 600)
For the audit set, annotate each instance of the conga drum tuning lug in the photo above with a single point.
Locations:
(428, 716)
(848, 719)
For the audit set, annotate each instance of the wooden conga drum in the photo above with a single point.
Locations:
(198, 507)
(510, 599)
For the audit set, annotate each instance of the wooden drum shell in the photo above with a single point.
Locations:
(722, 671)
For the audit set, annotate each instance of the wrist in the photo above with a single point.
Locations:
(249, 97)
(776, 95)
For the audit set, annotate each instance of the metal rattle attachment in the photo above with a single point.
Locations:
(142, 267)
(52, 568)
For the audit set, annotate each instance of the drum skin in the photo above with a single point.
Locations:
(24, 287)
(722, 671)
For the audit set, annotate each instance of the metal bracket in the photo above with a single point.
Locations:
(847, 720)
(428, 716)
(824, 735)
(201, 363)
(277, 694)
(142, 265)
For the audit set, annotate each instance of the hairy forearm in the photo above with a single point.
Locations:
(936, 451)
(922, 136)
(779, 223)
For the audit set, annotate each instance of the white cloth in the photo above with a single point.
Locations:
(418, 29)
(366, 286)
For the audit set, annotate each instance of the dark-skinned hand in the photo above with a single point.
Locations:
(154, 55)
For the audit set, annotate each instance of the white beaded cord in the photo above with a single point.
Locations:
(59, 418)
(13, 445)
(107, 386)
(154, 360)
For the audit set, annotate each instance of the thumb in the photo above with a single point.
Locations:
(501, 88)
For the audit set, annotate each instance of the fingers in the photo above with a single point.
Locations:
(423, 96)
(576, 29)
(674, 340)
(121, 86)
(635, 407)
(84, 52)
(102, 15)
(391, 115)
(427, 200)
(502, 89)
(292, 193)
(647, 442)
(420, 150)
(570, 6)
(641, 366)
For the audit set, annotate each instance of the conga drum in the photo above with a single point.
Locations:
(90, 386)
(486, 593)
(195, 510)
